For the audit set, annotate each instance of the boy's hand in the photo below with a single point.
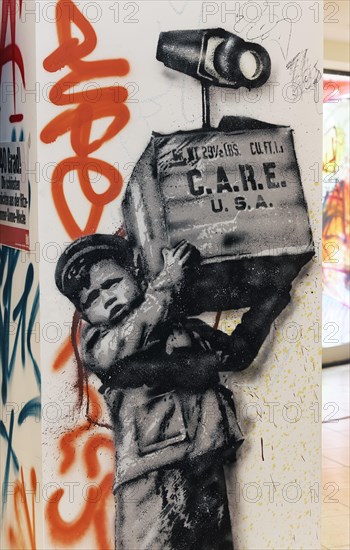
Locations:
(177, 261)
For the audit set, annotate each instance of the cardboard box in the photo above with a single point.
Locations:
(235, 193)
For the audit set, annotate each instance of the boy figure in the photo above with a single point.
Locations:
(174, 423)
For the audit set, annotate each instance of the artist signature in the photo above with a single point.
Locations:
(305, 75)
(278, 29)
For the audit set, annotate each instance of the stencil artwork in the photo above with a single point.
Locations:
(215, 219)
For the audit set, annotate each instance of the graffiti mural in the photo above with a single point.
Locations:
(174, 281)
(172, 217)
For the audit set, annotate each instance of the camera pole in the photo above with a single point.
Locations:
(205, 105)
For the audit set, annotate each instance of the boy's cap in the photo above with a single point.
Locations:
(81, 254)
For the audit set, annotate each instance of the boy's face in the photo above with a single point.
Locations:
(111, 293)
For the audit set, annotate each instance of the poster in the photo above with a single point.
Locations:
(180, 410)
(14, 196)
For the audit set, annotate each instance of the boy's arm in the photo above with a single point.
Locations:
(237, 352)
(103, 345)
(198, 369)
(249, 336)
(183, 368)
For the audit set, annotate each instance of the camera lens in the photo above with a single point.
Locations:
(242, 63)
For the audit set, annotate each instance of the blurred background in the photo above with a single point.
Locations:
(336, 279)
(336, 185)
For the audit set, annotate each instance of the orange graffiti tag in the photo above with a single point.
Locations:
(98, 500)
(107, 102)
(64, 355)
(81, 447)
(68, 440)
(22, 536)
(93, 514)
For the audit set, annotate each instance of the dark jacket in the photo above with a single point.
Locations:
(161, 380)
